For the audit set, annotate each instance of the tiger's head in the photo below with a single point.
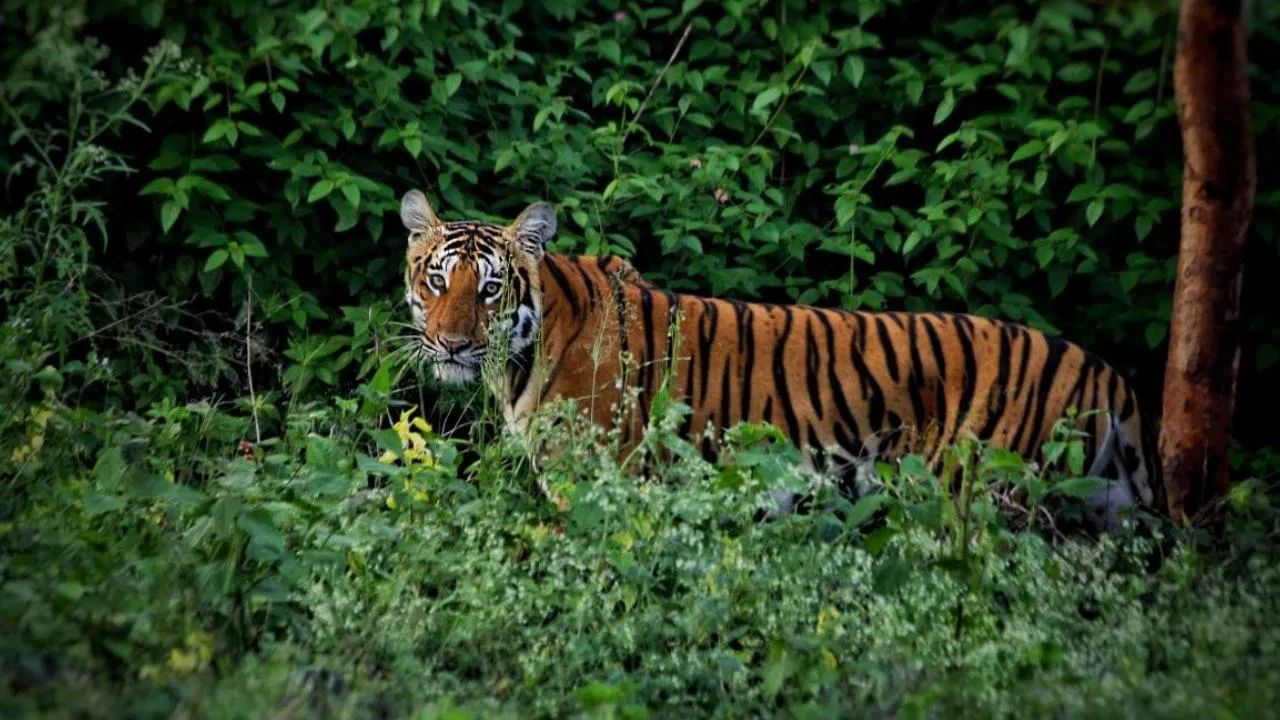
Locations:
(473, 286)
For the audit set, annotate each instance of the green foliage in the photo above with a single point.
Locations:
(156, 565)
(1009, 159)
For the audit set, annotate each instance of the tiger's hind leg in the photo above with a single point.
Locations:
(1109, 506)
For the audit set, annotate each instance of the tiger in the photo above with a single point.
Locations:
(846, 387)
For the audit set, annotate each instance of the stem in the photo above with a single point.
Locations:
(652, 88)
(248, 357)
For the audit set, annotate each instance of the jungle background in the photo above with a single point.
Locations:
(226, 495)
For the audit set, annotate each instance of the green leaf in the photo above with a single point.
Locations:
(1028, 149)
(320, 190)
(169, 214)
(352, 194)
(216, 260)
(1081, 487)
(1142, 226)
(159, 186)
(109, 469)
(389, 439)
(611, 51)
(944, 108)
(452, 82)
(216, 132)
(1075, 72)
(277, 99)
(766, 98)
(1141, 80)
(865, 508)
(1155, 334)
(1094, 211)
(1009, 91)
(854, 69)
(1082, 192)
(97, 503)
(265, 541)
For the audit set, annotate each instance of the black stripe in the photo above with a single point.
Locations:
(1022, 415)
(858, 348)
(915, 375)
(1129, 402)
(816, 450)
(1077, 389)
(592, 294)
(521, 367)
(833, 380)
(556, 367)
(1048, 375)
(706, 341)
(563, 282)
(780, 378)
(812, 361)
(999, 388)
(968, 383)
(725, 420)
(940, 405)
(850, 444)
(746, 323)
(872, 392)
(891, 437)
(1026, 355)
(1097, 388)
(886, 347)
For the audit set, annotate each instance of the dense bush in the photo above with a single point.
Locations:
(1010, 159)
(221, 498)
(337, 571)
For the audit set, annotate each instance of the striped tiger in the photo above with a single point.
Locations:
(845, 387)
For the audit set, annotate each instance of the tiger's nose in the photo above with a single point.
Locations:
(452, 343)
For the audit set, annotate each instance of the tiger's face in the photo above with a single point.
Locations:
(472, 286)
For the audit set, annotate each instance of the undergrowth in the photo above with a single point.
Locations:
(159, 564)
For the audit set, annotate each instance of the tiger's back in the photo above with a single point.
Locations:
(845, 386)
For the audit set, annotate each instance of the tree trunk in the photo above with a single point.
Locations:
(1219, 179)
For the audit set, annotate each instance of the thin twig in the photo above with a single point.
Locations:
(98, 331)
(248, 359)
(652, 88)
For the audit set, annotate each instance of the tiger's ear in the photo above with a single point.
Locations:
(416, 212)
(534, 228)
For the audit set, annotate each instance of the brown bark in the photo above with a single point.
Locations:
(1218, 184)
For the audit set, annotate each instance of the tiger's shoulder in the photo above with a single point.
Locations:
(610, 267)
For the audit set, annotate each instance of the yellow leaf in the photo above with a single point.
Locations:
(828, 659)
